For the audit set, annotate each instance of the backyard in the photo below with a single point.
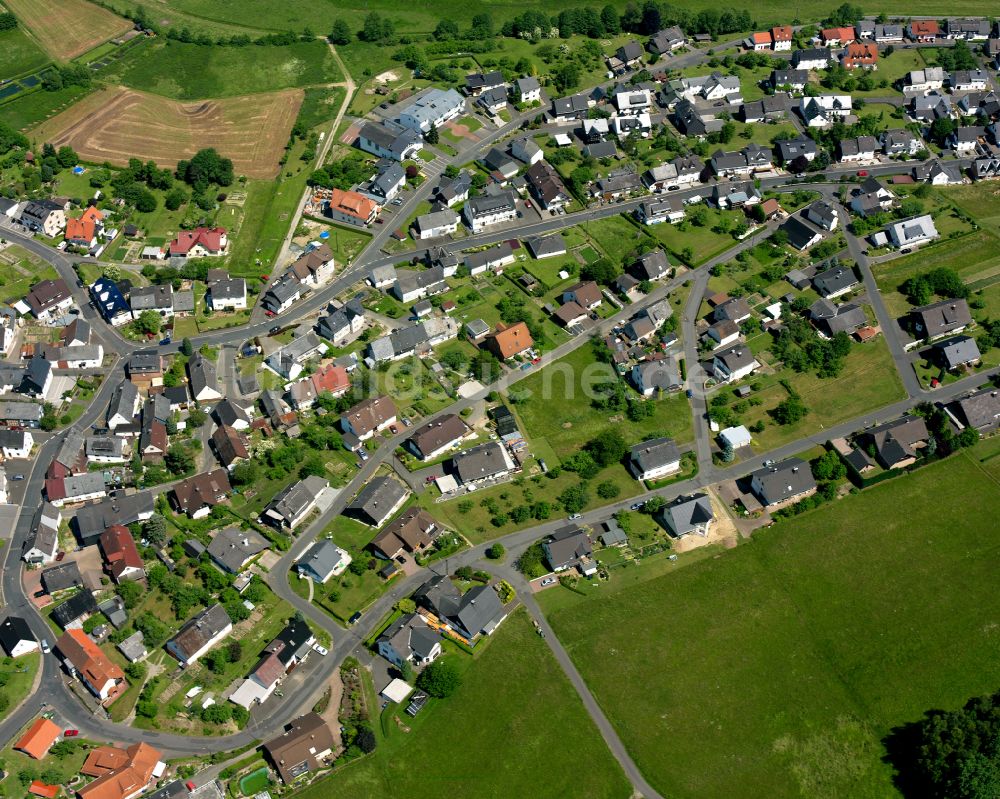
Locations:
(811, 642)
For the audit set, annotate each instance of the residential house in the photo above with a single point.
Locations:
(386, 183)
(73, 488)
(688, 515)
(85, 230)
(957, 352)
(375, 504)
(121, 556)
(835, 281)
(201, 242)
(83, 659)
(569, 547)
(38, 739)
(49, 300)
(342, 322)
(654, 459)
(980, 410)
(546, 246)
(200, 634)
(587, 295)
(436, 224)
(16, 637)
(547, 187)
(493, 258)
(897, 443)
(197, 495)
(305, 744)
(413, 532)
(835, 37)
(912, 232)
(734, 364)
(432, 109)
(931, 107)
(969, 80)
(123, 406)
(723, 333)
(44, 216)
(923, 30)
(481, 464)
(315, 266)
(203, 378)
(736, 309)
(831, 319)
(860, 55)
(792, 80)
(653, 212)
(488, 210)
(860, 148)
(527, 90)
(323, 560)
(479, 82)
(289, 361)
(493, 101)
(666, 41)
(351, 208)
(119, 508)
(508, 341)
(901, 142)
(230, 445)
(120, 773)
(783, 483)
(368, 417)
(15, 444)
(649, 377)
(283, 294)
(293, 504)
(872, 198)
(813, 58)
(145, 369)
(434, 438)
(572, 108)
(825, 109)
(42, 542)
(110, 302)
(476, 612)
(791, 149)
(232, 549)
(409, 640)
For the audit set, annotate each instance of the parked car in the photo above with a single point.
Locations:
(71, 733)
(431, 478)
(321, 650)
(355, 618)
(274, 330)
(862, 173)
(45, 646)
(637, 505)
(548, 581)
(190, 785)
(574, 516)
(18, 477)
(406, 422)
(393, 429)
(270, 314)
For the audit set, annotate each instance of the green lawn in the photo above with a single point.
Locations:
(19, 54)
(514, 728)
(20, 270)
(559, 411)
(16, 679)
(869, 381)
(782, 664)
(191, 71)
(974, 257)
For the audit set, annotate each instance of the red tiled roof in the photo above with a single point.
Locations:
(510, 341)
(781, 33)
(120, 550)
(352, 204)
(88, 659)
(85, 228)
(39, 788)
(761, 37)
(128, 779)
(39, 737)
(925, 27)
(841, 34)
(331, 378)
(209, 238)
(861, 53)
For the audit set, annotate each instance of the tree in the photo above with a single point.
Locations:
(574, 498)
(178, 460)
(187, 348)
(340, 33)
(196, 417)
(600, 271)
(131, 593)
(432, 136)
(828, 466)
(608, 447)
(234, 651)
(496, 552)
(376, 29)
(175, 198)
(148, 322)
(7, 21)
(608, 489)
(439, 679)
(245, 473)
(446, 29)
(406, 672)
(406, 605)
(365, 739)
(154, 530)
(789, 410)
(205, 168)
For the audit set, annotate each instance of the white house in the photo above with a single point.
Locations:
(654, 459)
(912, 232)
(229, 294)
(15, 443)
(734, 364)
(432, 110)
(436, 223)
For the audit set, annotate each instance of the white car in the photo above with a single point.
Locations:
(548, 581)
(321, 649)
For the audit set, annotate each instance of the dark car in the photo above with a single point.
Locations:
(275, 329)
(355, 618)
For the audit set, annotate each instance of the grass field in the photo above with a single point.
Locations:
(68, 28)
(868, 382)
(19, 54)
(20, 270)
(116, 124)
(35, 107)
(559, 411)
(776, 669)
(190, 71)
(974, 257)
(515, 727)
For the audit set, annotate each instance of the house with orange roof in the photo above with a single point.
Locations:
(781, 37)
(39, 788)
(860, 55)
(923, 30)
(202, 242)
(761, 40)
(835, 37)
(84, 659)
(507, 342)
(120, 773)
(83, 231)
(351, 208)
(39, 738)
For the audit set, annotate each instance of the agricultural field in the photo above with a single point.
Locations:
(184, 71)
(493, 738)
(68, 28)
(783, 664)
(116, 124)
(31, 108)
(294, 15)
(19, 54)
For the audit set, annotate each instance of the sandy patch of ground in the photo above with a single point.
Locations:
(722, 532)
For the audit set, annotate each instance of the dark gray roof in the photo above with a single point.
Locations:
(376, 499)
(685, 514)
(784, 480)
(471, 612)
(321, 558)
(654, 453)
(835, 279)
(231, 547)
(981, 409)
(62, 577)
(483, 461)
(81, 603)
(958, 351)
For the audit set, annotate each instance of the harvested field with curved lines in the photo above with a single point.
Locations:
(117, 124)
(68, 28)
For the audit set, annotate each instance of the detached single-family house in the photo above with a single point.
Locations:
(688, 515)
(200, 634)
(653, 459)
(783, 483)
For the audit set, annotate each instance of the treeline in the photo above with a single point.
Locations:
(7, 21)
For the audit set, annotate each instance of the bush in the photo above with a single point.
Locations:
(440, 679)
(496, 552)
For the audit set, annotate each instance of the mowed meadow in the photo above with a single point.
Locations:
(776, 669)
(116, 124)
(68, 28)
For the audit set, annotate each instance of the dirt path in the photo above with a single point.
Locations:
(348, 83)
